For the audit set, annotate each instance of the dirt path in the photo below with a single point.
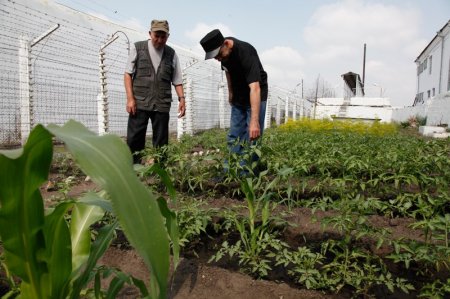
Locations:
(200, 281)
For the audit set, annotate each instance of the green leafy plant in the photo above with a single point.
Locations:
(304, 266)
(193, 219)
(358, 269)
(436, 290)
(350, 265)
(42, 250)
(430, 255)
(258, 241)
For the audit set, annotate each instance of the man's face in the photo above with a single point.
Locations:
(224, 53)
(159, 38)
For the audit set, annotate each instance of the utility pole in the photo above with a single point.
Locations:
(364, 67)
(315, 98)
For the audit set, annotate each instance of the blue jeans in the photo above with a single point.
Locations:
(238, 136)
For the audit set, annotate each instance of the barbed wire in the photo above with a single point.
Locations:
(65, 72)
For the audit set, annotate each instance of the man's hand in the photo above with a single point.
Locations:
(181, 107)
(131, 101)
(131, 106)
(254, 131)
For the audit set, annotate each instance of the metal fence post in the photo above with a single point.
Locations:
(181, 121)
(25, 88)
(286, 110)
(301, 115)
(189, 107)
(268, 115)
(26, 82)
(222, 102)
(278, 112)
(102, 99)
(294, 107)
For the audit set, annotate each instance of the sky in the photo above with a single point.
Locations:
(302, 40)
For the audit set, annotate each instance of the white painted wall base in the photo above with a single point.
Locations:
(434, 131)
(436, 110)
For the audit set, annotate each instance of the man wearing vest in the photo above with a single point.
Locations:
(247, 87)
(152, 68)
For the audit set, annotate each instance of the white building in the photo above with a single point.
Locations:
(433, 83)
(432, 94)
(355, 104)
(433, 67)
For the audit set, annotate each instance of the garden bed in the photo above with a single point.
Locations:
(197, 277)
(330, 211)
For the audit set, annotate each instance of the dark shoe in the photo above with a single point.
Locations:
(217, 179)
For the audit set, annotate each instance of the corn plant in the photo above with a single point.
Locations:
(8, 280)
(40, 248)
(258, 240)
(54, 260)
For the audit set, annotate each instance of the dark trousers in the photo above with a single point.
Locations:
(137, 129)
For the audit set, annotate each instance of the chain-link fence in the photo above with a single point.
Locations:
(59, 64)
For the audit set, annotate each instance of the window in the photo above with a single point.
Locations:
(420, 68)
(434, 92)
(419, 98)
(425, 64)
(431, 65)
(428, 93)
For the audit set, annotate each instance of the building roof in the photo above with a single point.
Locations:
(353, 80)
(434, 38)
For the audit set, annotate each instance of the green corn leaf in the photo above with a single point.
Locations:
(97, 199)
(172, 228)
(22, 212)
(58, 250)
(107, 160)
(155, 168)
(104, 238)
(97, 286)
(141, 286)
(83, 216)
(115, 286)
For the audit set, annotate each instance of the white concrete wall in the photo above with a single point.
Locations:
(382, 113)
(436, 110)
(325, 112)
(358, 107)
(403, 114)
(439, 111)
(330, 101)
(376, 102)
(362, 112)
(356, 101)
